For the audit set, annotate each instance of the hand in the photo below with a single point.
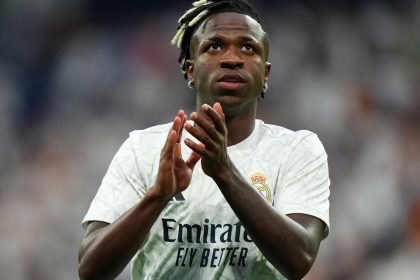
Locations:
(211, 131)
(174, 173)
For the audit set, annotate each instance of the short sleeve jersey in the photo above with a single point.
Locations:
(197, 235)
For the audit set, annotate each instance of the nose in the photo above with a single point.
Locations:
(232, 59)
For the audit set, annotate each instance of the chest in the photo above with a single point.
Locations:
(258, 171)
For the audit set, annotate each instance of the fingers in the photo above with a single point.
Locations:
(210, 131)
(174, 136)
(216, 115)
(204, 131)
(198, 148)
(183, 117)
(168, 149)
(214, 125)
(218, 108)
(178, 123)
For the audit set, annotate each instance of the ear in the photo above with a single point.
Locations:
(267, 71)
(189, 69)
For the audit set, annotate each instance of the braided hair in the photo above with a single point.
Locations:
(201, 10)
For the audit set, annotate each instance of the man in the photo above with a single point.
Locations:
(228, 196)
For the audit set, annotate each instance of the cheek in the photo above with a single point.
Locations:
(203, 73)
(259, 73)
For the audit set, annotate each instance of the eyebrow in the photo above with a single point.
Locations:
(244, 38)
(248, 39)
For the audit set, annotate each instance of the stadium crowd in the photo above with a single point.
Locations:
(77, 76)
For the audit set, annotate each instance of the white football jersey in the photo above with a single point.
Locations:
(197, 235)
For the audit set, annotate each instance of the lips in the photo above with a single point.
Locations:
(231, 82)
(231, 78)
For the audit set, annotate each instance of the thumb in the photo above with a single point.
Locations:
(193, 159)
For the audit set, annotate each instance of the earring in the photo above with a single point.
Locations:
(190, 84)
(265, 87)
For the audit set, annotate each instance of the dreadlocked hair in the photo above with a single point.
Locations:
(201, 10)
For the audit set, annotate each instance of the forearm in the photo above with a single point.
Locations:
(284, 242)
(105, 252)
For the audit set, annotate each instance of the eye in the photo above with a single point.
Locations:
(214, 47)
(248, 48)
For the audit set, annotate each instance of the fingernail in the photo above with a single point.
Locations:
(205, 107)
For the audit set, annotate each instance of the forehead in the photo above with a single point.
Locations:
(224, 23)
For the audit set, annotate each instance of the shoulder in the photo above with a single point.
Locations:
(153, 132)
(308, 141)
(295, 140)
(156, 130)
(149, 138)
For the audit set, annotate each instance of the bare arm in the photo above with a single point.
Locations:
(291, 242)
(107, 248)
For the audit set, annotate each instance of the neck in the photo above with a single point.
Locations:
(239, 128)
(239, 123)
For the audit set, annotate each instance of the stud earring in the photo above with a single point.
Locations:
(190, 84)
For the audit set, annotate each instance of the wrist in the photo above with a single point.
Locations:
(154, 194)
(225, 175)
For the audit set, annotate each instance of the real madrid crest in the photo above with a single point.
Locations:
(259, 181)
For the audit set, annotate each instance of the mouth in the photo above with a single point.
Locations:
(231, 81)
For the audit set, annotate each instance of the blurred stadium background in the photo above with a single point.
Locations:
(77, 76)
